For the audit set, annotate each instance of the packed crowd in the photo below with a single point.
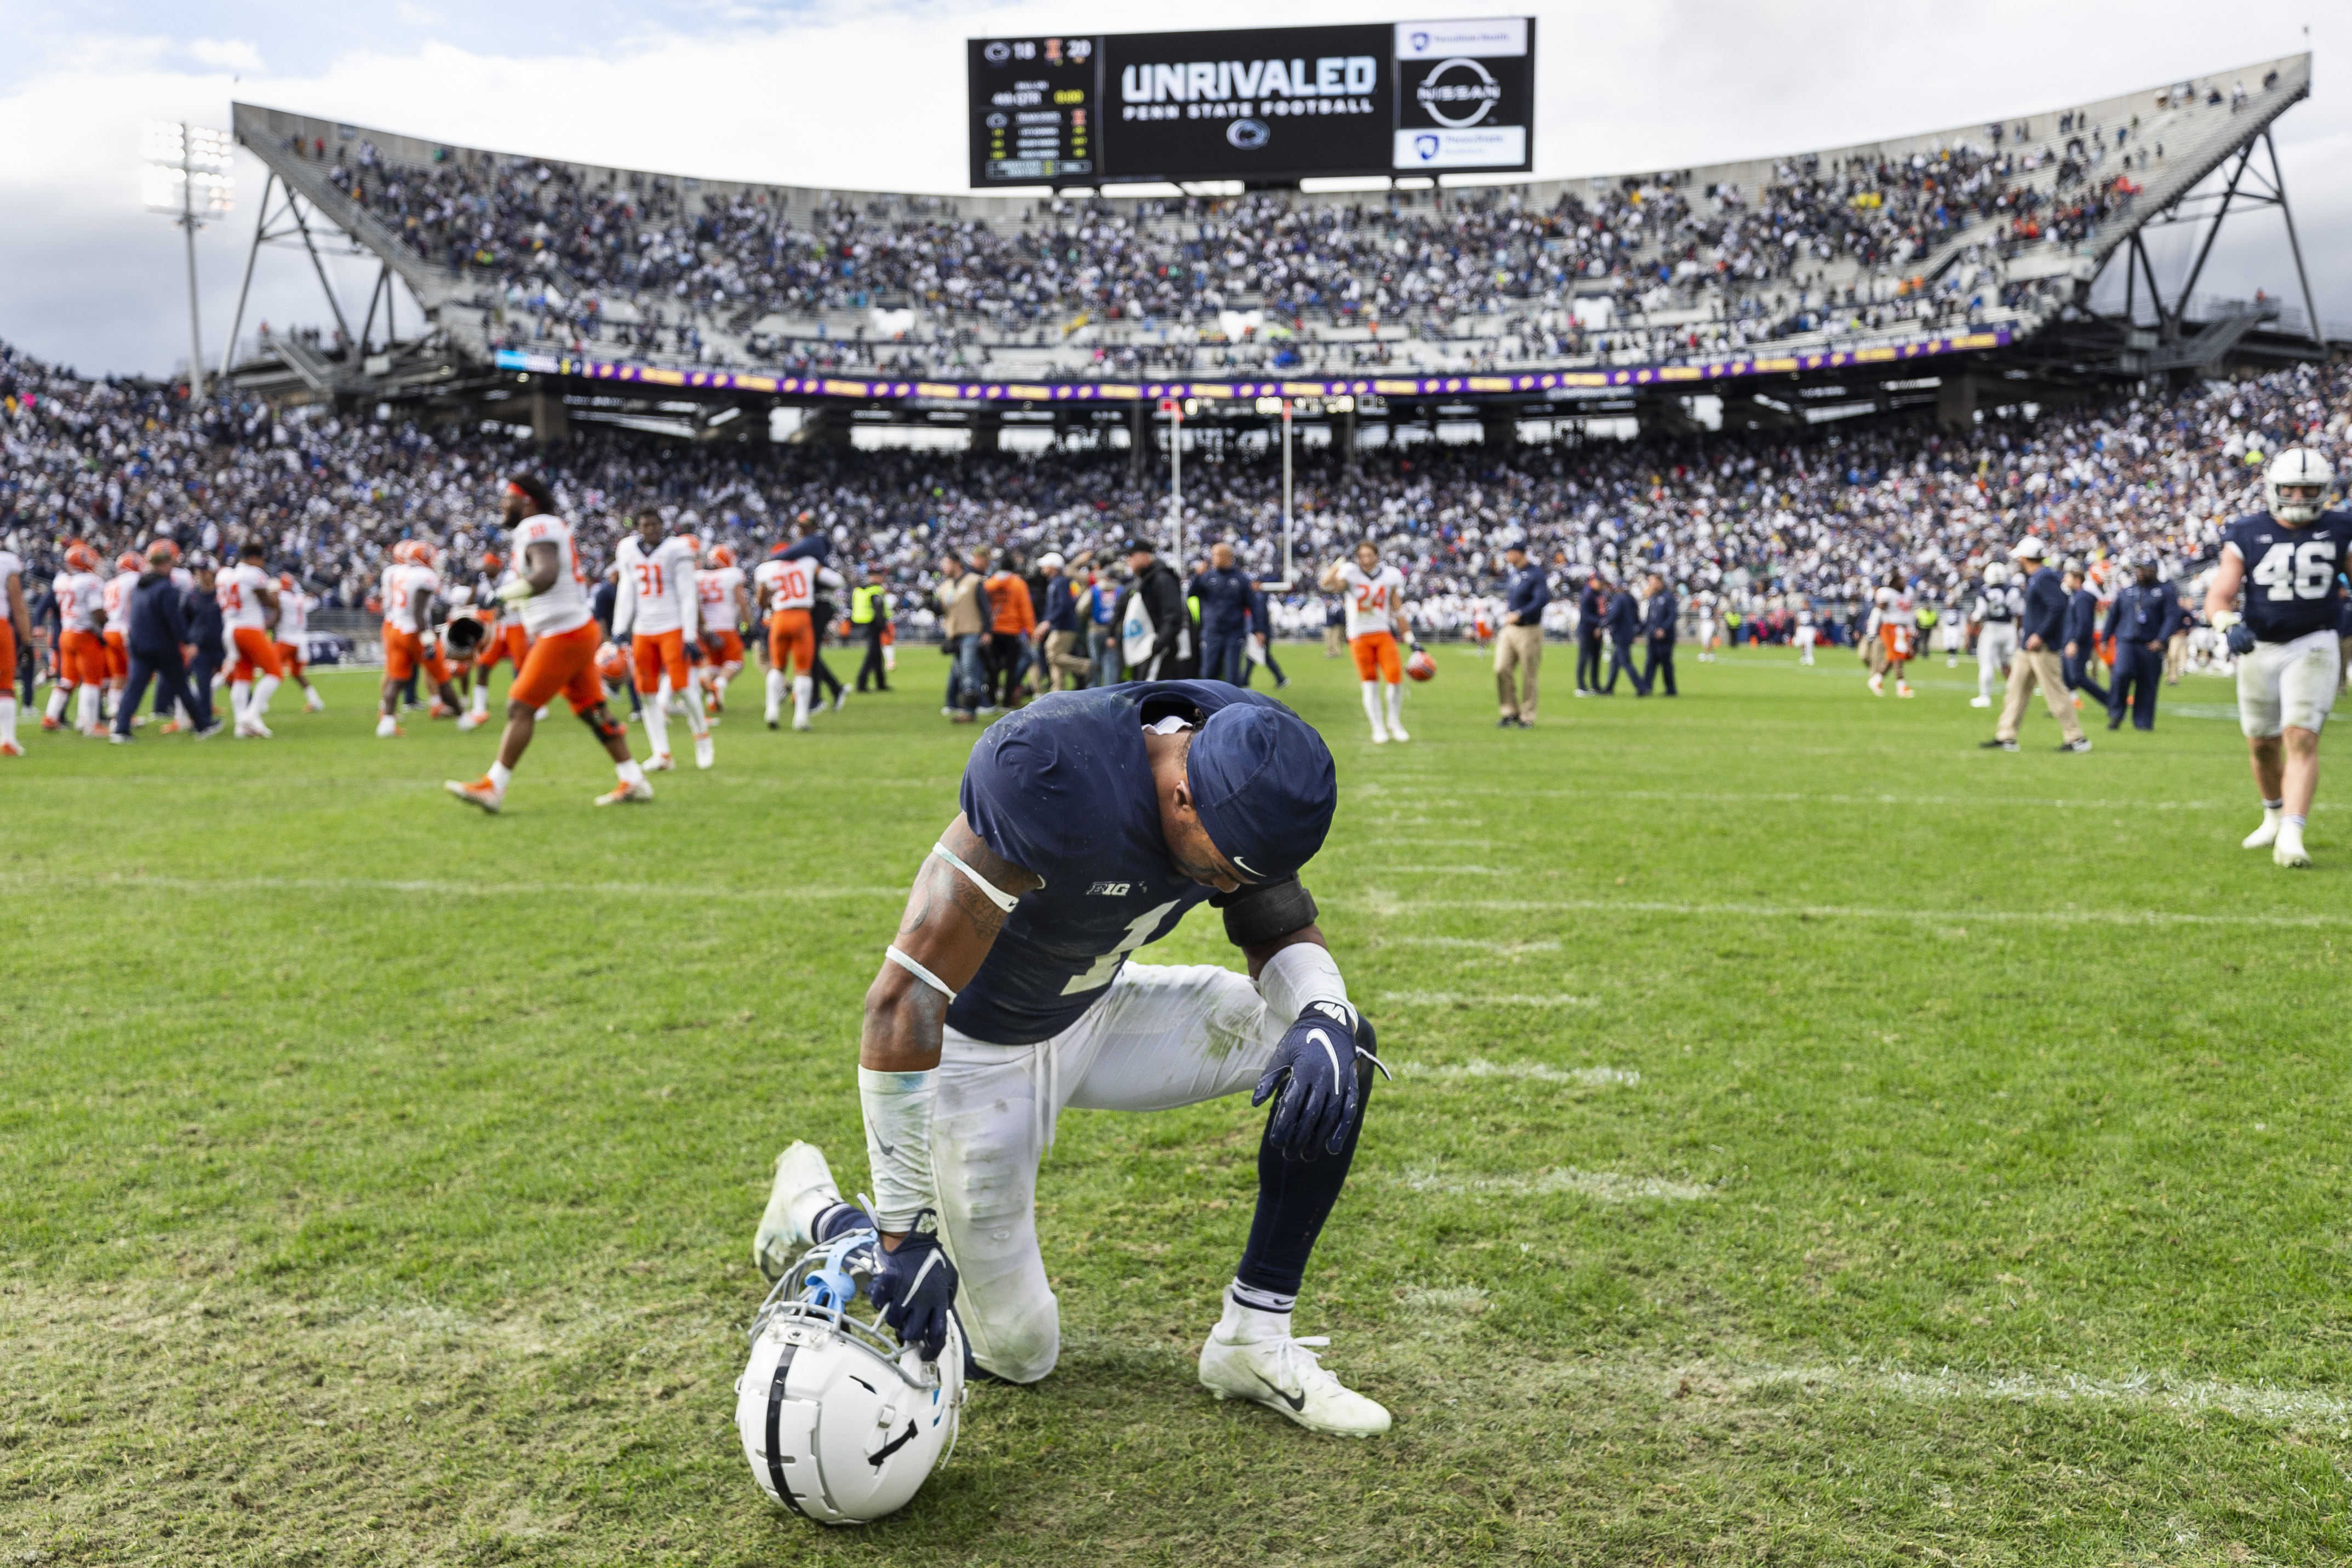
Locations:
(1826, 515)
(566, 253)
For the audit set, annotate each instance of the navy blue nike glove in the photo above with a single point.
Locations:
(915, 1286)
(1315, 1069)
(2241, 639)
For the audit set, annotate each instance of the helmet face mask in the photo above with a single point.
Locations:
(840, 1423)
(2296, 484)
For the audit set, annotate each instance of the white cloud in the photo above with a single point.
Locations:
(235, 55)
(873, 98)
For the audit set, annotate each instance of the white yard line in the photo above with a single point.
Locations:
(1482, 999)
(443, 889)
(1607, 1187)
(2157, 1391)
(1602, 796)
(1387, 905)
(1480, 1068)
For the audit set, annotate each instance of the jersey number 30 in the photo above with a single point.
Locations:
(2306, 570)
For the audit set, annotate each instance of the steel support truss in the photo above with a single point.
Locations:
(2246, 188)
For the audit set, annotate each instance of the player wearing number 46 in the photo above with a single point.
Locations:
(1091, 822)
(2287, 559)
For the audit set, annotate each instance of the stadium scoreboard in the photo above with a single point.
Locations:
(1270, 104)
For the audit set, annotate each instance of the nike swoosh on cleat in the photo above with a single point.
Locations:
(1297, 1402)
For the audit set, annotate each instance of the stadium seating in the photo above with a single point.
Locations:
(1826, 513)
(1867, 247)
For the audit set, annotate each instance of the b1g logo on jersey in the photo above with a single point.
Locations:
(1111, 890)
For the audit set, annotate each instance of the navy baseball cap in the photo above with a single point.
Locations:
(1264, 786)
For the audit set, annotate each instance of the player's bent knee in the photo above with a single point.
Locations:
(600, 720)
(1021, 1346)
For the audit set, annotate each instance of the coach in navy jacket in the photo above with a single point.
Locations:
(2079, 655)
(1658, 635)
(2039, 663)
(2145, 615)
(158, 642)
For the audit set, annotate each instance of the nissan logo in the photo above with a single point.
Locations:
(1460, 102)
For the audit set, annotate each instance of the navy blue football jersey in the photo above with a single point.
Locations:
(2291, 573)
(1062, 789)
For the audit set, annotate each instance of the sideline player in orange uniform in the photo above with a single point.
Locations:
(784, 590)
(552, 594)
(409, 583)
(127, 567)
(726, 607)
(292, 635)
(248, 602)
(1898, 632)
(15, 631)
(1375, 602)
(81, 642)
(656, 610)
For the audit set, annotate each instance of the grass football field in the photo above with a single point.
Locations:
(1816, 1141)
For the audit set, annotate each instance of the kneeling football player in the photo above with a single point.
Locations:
(1091, 822)
(552, 594)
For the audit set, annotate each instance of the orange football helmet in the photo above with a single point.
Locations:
(721, 556)
(285, 581)
(613, 665)
(127, 562)
(1421, 666)
(80, 557)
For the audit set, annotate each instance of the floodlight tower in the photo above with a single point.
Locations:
(190, 176)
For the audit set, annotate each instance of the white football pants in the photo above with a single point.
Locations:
(2288, 684)
(1996, 651)
(1159, 1038)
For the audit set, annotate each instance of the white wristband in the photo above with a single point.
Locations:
(898, 1142)
(1302, 972)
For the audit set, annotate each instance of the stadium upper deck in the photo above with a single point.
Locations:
(1952, 240)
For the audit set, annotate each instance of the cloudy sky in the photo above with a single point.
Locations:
(872, 96)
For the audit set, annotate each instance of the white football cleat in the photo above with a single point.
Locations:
(637, 789)
(470, 721)
(660, 763)
(804, 1188)
(1980, 701)
(1878, 686)
(386, 727)
(253, 730)
(313, 702)
(1283, 1375)
(2289, 851)
(706, 755)
(1396, 732)
(2262, 838)
(801, 723)
(1380, 737)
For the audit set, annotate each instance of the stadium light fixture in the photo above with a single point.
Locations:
(189, 174)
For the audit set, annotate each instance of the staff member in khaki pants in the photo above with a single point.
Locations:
(2043, 629)
(1520, 649)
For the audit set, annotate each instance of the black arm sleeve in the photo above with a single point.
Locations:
(1265, 911)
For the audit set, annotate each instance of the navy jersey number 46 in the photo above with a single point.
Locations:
(2291, 573)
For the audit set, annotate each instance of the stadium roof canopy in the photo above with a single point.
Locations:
(1928, 263)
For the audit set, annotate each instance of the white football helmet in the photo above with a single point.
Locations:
(841, 1424)
(1996, 573)
(2297, 466)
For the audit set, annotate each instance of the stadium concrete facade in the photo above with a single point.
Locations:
(1937, 273)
